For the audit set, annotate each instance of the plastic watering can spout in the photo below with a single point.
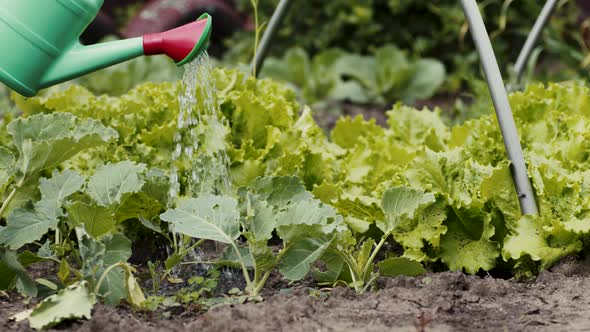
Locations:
(43, 36)
(182, 44)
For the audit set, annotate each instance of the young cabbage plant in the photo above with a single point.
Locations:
(182, 245)
(272, 205)
(70, 203)
(352, 262)
(78, 299)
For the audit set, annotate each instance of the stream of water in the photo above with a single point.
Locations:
(200, 157)
(200, 163)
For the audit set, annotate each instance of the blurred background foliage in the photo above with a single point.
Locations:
(434, 29)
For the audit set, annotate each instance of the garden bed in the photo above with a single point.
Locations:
(449, 301)
(313, 204)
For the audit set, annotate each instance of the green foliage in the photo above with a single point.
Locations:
(45, 141)
(97, 258)
(74, 302)
(41, 143)
(208, 217)
(352, 261)
(279, 204)
(112, 183)
(436, 29)
(27, 224)
(333, 75)
(37, 207)
(262, 118)
(7, 109)
(79, 188)
(397, 266)
(476, 220)
(13, 271)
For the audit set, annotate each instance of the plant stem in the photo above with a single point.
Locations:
(8, 201)
(352, 267)
(353, 275)
(244, 268)
(53, 259)
(261, 284)
(256, 277)
(231, 85)
(175, 243)
(370, 282)
(104, 275)
(374, 254)
(197, 244)
(256, 35)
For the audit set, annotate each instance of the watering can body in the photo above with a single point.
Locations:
(41, 47)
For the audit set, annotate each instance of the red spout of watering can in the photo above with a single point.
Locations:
(182, 44)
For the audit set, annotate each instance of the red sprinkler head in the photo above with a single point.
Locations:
(182, 44)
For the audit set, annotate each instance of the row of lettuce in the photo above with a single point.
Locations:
(85, 176)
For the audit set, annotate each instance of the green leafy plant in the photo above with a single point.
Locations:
(353, 262)
(43, 142)
(334, 75)
(305, 226)
(73, 302)
(100, 249)
(76, 302)
(77, 192)
(435, 29)
(63, 203)
(463, 166)
(7, 109)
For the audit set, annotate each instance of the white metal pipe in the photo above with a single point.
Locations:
(533, 37)
(273, 25)
(522, 183)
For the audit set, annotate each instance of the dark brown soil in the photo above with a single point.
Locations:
(556, 301)
(327, 120)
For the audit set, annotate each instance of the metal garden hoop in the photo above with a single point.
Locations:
(522, 183)
(273, 25)
(533, 37)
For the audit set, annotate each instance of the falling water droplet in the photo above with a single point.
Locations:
(201, 133)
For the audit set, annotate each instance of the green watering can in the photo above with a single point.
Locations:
(41, 48)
